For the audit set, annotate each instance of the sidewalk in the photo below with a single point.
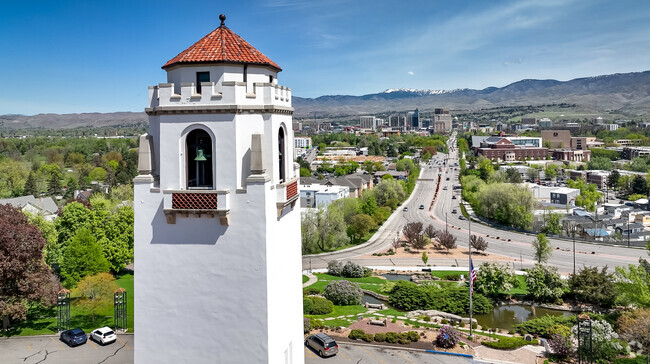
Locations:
(312, 279)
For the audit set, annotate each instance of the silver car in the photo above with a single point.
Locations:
(323, 344)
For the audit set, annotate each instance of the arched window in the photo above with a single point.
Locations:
(199, 160)
(281, 154)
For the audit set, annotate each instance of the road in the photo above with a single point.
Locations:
(435, 212)
(357, 354)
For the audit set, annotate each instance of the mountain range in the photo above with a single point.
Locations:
(626, 93)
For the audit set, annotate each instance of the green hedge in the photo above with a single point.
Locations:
(508, 343)
(547, 325)
(409, 296)
(316, 305)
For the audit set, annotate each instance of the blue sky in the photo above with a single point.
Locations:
(100, 56)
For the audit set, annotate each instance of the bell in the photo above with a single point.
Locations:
(200, 157)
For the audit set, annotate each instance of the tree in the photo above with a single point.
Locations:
(323, 230)
(369, 205)
(70, 186)
(348, 206)
(305, 172)
(588, 194)
(388, 190)
(593, 286)
(532, 173)
(543, 249)
(117, 246)
(635, 326)
(612, 180)
(361, 225)
(633, 284)
(52, 251)
(505, 203)
(97, 174)
(425, 258)
(95, 293)
(551, 171)
(493, 278)
(447, 240)
(430, 231)
(513, 176)
(412, 231)
(600, 163)
(553, 225)
(478, 243)
(30, 185)
(639, 185)
(82, 257)
(545, 284)
(24, 276)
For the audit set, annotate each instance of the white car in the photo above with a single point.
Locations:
(103, 336)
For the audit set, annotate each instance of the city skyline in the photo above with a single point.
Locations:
(67, 57)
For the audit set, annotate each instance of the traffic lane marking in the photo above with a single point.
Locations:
(24, 342)
(125, 344)
(371, 354)
(58, 343)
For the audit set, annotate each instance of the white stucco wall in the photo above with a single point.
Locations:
(208, 293)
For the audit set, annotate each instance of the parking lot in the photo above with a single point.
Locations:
(50, 350)
(369, 354)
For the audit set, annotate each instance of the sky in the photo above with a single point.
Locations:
(100, 56)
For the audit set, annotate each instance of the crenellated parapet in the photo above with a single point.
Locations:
(228, 96)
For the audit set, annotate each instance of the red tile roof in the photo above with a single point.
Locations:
(222, 45)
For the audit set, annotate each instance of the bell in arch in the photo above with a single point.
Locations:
(200, 156)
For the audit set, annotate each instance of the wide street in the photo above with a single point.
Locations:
(518, 247)
(359, 354)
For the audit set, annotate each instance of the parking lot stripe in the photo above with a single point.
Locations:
(91, 343)
(373, 355)
(123, 343)
(342, 354)
(30, 348)
(309, 353)
(58, 343)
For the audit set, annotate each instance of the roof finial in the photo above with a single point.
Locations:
(222, 17)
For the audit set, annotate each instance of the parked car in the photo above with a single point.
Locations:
(461, 217)
(453, 197)
(323, 344)
(421, 207)
(74, 337)
(405, 208)
(104, 335)
(453, 211)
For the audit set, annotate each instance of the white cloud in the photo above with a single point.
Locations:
(411, 73)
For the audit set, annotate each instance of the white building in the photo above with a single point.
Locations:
(611, 127)
(321, 195)
(217, 237)
(302, 142)
(368, 122)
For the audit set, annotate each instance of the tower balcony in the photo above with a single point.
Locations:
(287, 193)
(229, 96)
(196, 203)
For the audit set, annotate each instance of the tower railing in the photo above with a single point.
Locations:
(209, 203)
(287, 194)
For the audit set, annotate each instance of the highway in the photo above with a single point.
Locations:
(518, 247)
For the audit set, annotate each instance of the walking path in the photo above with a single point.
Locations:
(312, 279)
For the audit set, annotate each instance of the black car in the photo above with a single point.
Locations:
(74, 337)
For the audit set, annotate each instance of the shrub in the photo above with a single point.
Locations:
(316, 305)
(605, 343)
(352, 270)
(444, 321)
(447, 337)
(474, 326)
(426, 318)
(343, 293)
(310, 291)
(391, 337)
(334, 267)
(413, 336)
(507, 343)
(561, 345)
(367, 338)
(545, 326)
(357, 334)
(545, 284)
(409, 296)
(312, 324)
(453, 277)
(593, 286)
(380, 337)
(493, 278)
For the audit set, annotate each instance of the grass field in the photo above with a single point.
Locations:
(304, 278)
(42, 321)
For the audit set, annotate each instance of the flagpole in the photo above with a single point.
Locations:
(471, 282)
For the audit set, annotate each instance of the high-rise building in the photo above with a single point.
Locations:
(217, 229)
(441, 121)
(368, 122)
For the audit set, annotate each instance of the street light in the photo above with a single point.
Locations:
(445, 222)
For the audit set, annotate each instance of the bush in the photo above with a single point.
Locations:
(380, 337)
(334, 267)
(356, 334)
(352, 270)
(546, 326)
(409, 296)
(413, 336)
(447, 337)
(343, 293)
(392, 337)
(453, 277)
(316, 306)
(310, 291)
(493, 278)
(593, 286)
(426, 318)
(561, 345)
(507, 343)
(312, 324)
(444, 321)
(545, 284)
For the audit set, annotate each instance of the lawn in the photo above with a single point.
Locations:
(369, 283)
(304, 278)
(42, 321)
(521, 289)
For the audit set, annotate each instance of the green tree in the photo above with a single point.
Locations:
(545, 284)
(513, 176)
(639, 185)
(95, 293)
(361, 225)
(52, 250)
(74, 216)
(543, 249)
(388, 190)
(551, 171)
(553, 225)
(117, 246)
(14, 175)
(633, 284)
(425, 258)
(493, 278)
(612, 180)
(30, 185)
(369, 203)
(304, 172)
(600, 163)
(590, 285)
(505, 203)
(97, 174)
(588, 196)
(323, 230)
(82, 257)
(348, 206)
(485, 169)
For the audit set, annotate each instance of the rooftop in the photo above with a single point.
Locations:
(222, 45)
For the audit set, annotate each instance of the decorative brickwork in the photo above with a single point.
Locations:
(194, 201)
(292, 189)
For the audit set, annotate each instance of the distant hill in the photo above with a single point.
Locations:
(628, 93)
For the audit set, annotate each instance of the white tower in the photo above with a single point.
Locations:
(217, 238)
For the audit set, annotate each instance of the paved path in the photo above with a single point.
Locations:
(312, 279)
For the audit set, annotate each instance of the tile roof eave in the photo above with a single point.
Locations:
(171, 66)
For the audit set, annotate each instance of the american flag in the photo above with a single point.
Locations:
(472, 276)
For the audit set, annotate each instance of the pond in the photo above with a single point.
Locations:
(396, 277)
(505, 317)
(370, 299)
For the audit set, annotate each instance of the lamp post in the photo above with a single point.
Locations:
(445, 222)
(575, 227)
(628, 234)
